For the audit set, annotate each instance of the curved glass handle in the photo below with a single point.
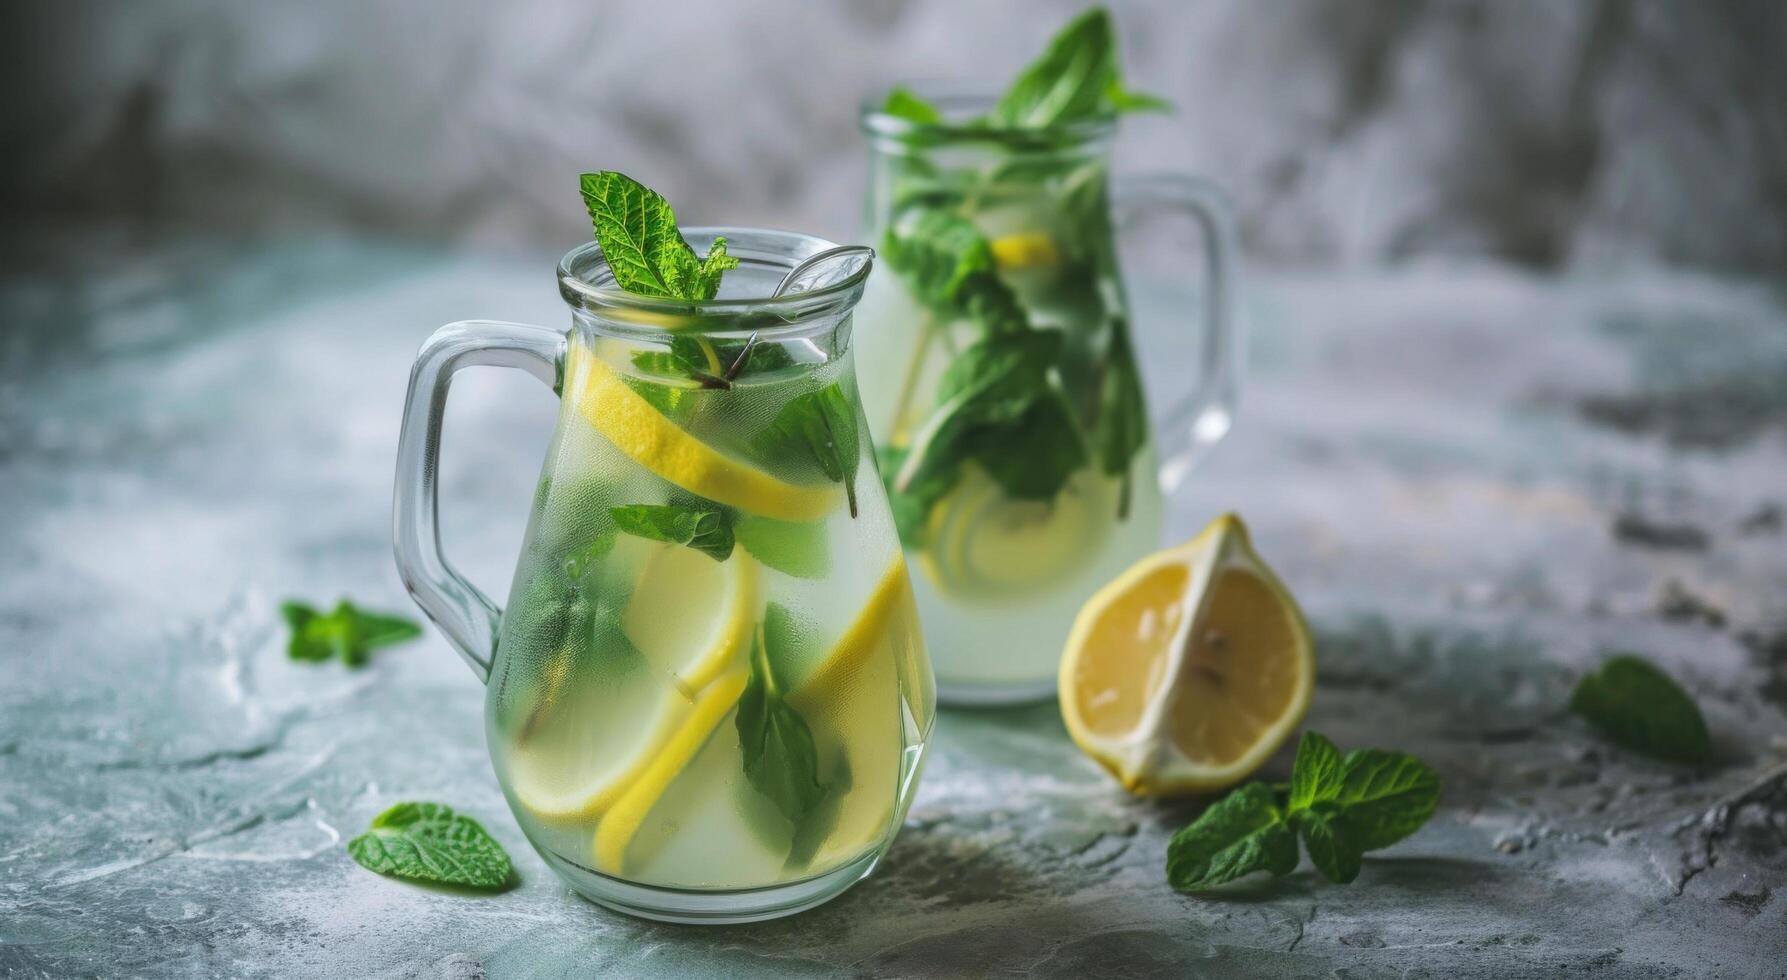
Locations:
(1201, 418)
(468, 617)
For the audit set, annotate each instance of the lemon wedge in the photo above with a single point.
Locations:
(639, 430)
(985, 544)
(691, 616)
(1190, 669)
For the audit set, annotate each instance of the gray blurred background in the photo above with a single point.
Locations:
(1569, 133)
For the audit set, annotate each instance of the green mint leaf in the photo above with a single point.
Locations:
(797, 548)
(948, 265)
(429, 842)
(1241, 833)
(1069, 82)
(911, 505)
(1122, 427)
(1385, 796)
(347, 632)
(781, 759)
(1329, 840)
(1032, 456)
(688, 357)
(1317, 775)
(637, 230)
(1121, 99)
(901, 102)
(707, 531)
(820, 428)
(1638, 706)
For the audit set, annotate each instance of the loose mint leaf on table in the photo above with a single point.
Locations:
(1385, 796)
(780, 757)
(346, 632)
(707, 531)
(818, 427)
(1239, 834)
(637, 230)
(1638, 706)
(1341, 806)
(1316, 774)
(429, 842)
(1076, 78)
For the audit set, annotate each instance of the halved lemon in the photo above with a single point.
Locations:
(691, 616)
(983, 543)
(1190, 669)
(642, 432)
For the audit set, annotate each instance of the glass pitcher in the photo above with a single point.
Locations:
(708, 697)
(1008, 400)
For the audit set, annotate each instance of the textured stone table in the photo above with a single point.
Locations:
(1477, 480)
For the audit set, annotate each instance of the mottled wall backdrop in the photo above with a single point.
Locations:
(1351, 131)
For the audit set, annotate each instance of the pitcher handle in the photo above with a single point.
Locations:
(1200, 419)
(467, 616)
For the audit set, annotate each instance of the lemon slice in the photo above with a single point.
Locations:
(1025, 250)
(985, 544)
(642, 432)
(1190, 669)
(691, 616)
(852, 702)
(682, 821)
(622, 823)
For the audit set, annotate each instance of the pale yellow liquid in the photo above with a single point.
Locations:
(582, 731)
(998, 607)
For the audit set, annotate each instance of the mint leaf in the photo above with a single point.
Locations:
(818, 427)
(1329, 840)
(637, 230)
(1122, 412)
(1385, 796)
(347, 632)
(1034, 455)
(780, 758)
(1640, 707)
(429, 842)
(1076, 78)
(707, 531)
(1316, 774)
(797, 548)
(903, 103)
(1241, 833)
(948, 265)
(1341, 806)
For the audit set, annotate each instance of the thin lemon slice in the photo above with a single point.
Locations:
(622, 823)
(642, 432)
(983, 543)
(1190, 669)
(691, 616)
(853, 703)
(1025, 250)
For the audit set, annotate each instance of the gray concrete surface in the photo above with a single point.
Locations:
(1476, 479)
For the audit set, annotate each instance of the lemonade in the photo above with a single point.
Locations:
(1010, 410)
(710, 673)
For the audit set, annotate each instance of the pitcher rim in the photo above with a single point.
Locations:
(960, 94)
(762, 314)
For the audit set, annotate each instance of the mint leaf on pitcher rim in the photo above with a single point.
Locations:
(636, 228)
(428, 842)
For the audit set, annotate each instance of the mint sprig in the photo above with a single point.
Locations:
(636, 228)
(429, 842)
(1077, 77)
(346, 632)
(1638, 706)
(781, 759)
(1341, 807)
(707, 531)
